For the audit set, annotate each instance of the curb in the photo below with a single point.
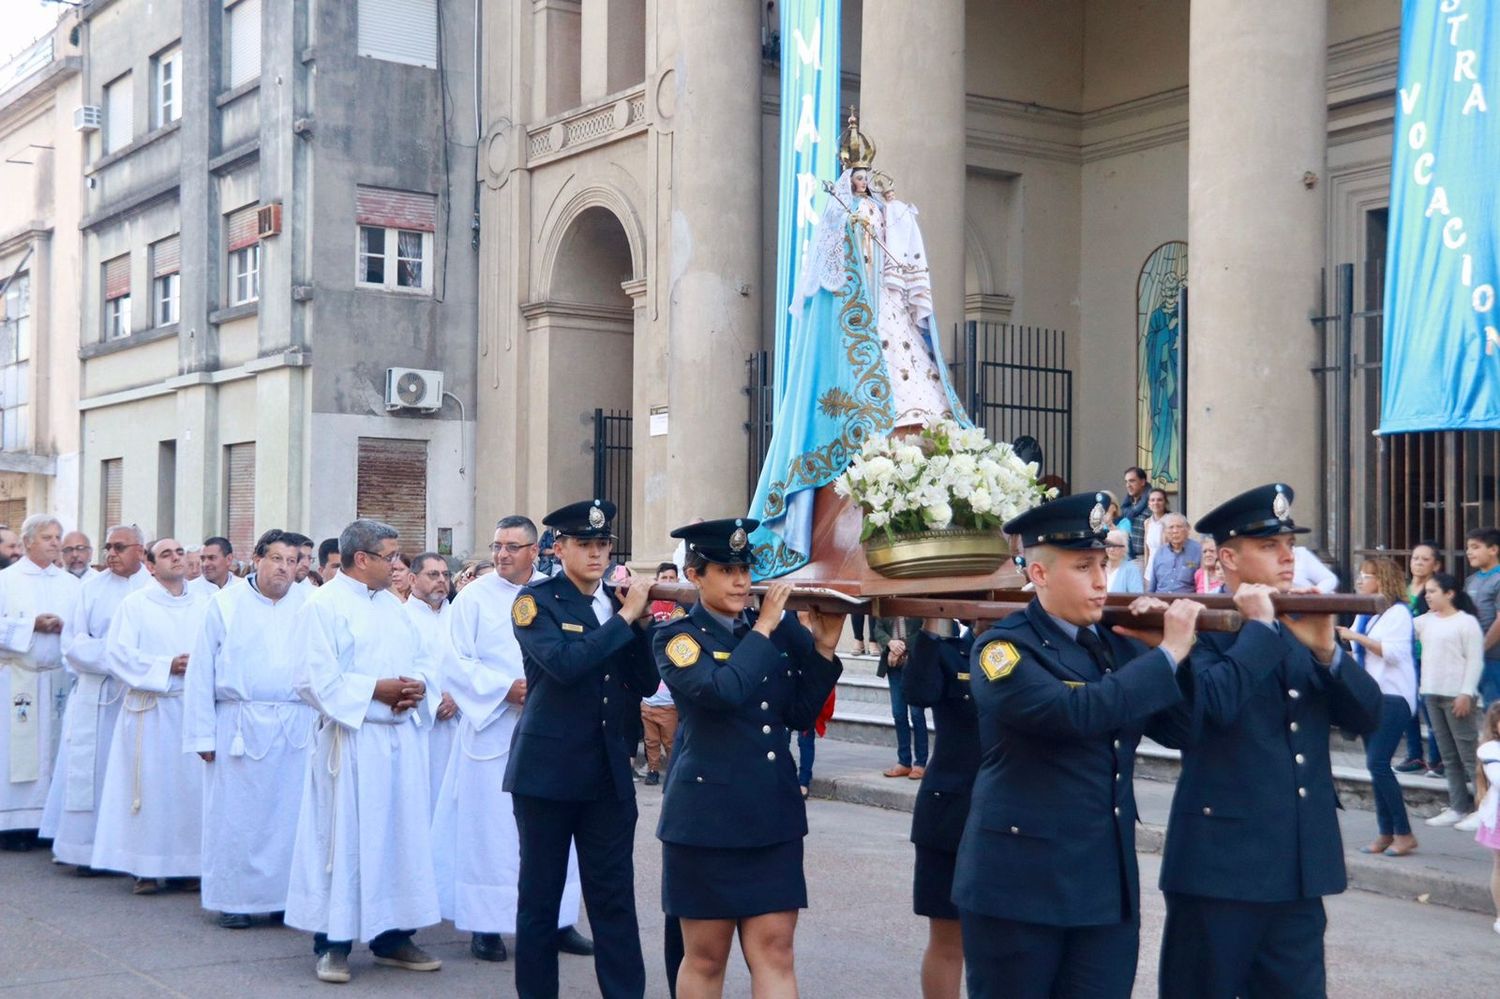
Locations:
(1392, 877)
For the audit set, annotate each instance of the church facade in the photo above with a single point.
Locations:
(1089, 171)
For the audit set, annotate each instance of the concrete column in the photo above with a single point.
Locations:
(714, 259)
(558, 41)
(911, 93)
(1257, 111)
(613, 47)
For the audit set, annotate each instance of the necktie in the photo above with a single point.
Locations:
(1097, 650)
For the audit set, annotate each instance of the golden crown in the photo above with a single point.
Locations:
(856, 151)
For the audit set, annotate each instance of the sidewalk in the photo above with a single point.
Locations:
(1448, 869)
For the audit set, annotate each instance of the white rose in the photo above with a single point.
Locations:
(938, 515)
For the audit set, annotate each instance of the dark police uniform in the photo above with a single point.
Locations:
(1046, 882)
(1253, 841)
(732, 817)
(936, 676)
(569, 771)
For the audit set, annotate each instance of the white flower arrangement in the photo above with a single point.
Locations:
(945, 476)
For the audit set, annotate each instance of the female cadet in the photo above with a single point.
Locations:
(937, 676)
(732, 818)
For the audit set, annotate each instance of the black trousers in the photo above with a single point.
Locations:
(383, 944)
(604, 833)
(1006, 959)
(1214, 948)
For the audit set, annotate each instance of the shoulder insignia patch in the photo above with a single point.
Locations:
(998, 660)
(523, 611)
(683, 651)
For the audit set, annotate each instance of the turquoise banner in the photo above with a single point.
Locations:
(809, 143)
(1441, 367)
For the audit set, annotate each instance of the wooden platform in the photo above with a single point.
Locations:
(838, 561)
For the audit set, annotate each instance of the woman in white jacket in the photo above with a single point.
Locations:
(1382, 644)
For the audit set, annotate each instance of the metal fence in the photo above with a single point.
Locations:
(612, 471)
(1015, 382)
(1384, 495)
(761, 394)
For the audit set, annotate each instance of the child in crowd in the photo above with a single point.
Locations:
(659, 712)
(1487, 784)
(665, 610)
(1452, 659)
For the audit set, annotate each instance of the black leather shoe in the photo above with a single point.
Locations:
(488, 947)
(234, 920)
(570, 941)
(652, 778)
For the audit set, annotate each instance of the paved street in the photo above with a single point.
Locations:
(91, 938)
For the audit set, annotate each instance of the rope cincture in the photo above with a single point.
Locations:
(138, 702)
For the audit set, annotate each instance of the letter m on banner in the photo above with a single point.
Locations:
(1442, 329)
(809, 142)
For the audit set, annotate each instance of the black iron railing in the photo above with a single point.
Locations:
(612, 471)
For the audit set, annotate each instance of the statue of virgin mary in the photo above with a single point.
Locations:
(864, 357)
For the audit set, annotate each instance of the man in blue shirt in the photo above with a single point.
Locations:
(1176, 562)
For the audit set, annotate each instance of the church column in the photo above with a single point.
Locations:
(911, 104)
(1257, 109)
(712, 106)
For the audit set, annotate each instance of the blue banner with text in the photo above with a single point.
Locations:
(1441, 367)
(809, 142)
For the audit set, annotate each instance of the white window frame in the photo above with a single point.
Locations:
(117, 318)
(166, 298)
(166, 87)
(392, 261)
(16, 329)
(244, 271)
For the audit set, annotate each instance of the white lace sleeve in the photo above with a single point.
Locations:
(823, 265)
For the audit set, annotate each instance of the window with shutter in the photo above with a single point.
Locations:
(399, 31)
(13, 513)
(389, 209)
(391, 485)
(111, 483)
(239, 496)
(117, 297)
(117, 277)
(243, 21)
(119, 113)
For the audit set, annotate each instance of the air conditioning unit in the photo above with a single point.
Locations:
(88, 118)
(268, 220)
(413, 388)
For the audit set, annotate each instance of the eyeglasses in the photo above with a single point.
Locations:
(77, 549)
(1107, 545)
(120, 547)
(392, 557)
(511, 548)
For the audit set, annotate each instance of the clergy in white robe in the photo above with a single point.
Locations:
(151, 808)
(36, 597)
(216, 560)
(477, 850)
(78, 556)
(362, 860)
(429, 610)
(242, 715)
(94, 705)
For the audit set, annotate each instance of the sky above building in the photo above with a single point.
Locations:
(27, 20)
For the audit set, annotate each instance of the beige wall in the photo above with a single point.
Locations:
(40, 207)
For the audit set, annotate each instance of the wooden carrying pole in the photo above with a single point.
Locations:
(964, 609)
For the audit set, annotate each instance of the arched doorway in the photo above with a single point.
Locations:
(582, 347)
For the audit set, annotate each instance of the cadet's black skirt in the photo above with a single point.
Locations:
(705, 882)
(932, 884)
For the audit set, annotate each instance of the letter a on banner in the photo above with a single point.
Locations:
(1441, 363)
(809, 143)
